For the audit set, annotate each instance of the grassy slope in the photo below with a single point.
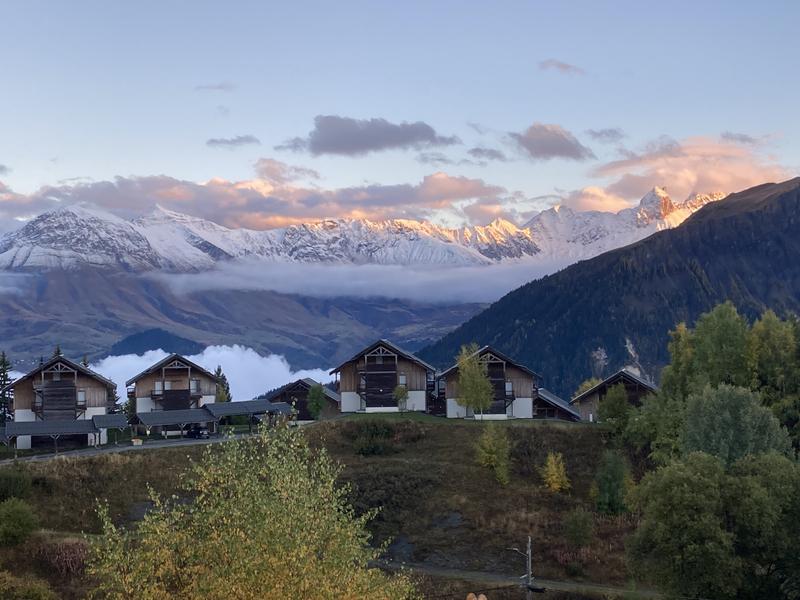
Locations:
(435, 503)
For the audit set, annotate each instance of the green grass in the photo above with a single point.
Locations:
(419, 417)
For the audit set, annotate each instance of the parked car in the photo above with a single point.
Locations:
(198, 433)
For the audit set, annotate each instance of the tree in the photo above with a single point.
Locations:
(678, 376)
(721, 347)
(85, 361)
(400, 395)
(773, 352)
(316, 400)
(586, 385)
(615, 410)
(57, 351)
(682, 544)
(493, 451)
(578, 527)
(474, 388)
(268, 520)
(729, 423)
(610, 483)
(554, 473)
(5, 379)
(656, 427)
(17, 522)
(223, 393)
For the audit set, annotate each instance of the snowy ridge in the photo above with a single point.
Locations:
(84, 235)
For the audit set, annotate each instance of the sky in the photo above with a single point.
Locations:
(261, 115)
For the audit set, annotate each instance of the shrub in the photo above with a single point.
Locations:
(578, 527)
(17, 588)
(14, 483)
(493, 451)
(554, 473)
(17, 522)
(65, 557)
(611, 484)
(375, 437)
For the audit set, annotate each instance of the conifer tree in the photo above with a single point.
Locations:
(316, 400)
(223, 393)
(554, 473)
(5, 379)
(57, 351)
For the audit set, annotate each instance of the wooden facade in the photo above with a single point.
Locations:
(173, 383)
(295, 394)
(373, 374)
(636, 388)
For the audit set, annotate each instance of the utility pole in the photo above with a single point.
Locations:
(529, 580)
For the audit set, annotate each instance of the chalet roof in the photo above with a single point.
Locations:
(186, 416)
(498, 354)
(308, 383)
(279, 408)
(167, 360)
(112, 421)
(622, 374)
(244, 407)
(393, 347)
(71, 364)
(557, 401)
(51, 427)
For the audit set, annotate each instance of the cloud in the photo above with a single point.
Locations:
(434, 158)
(4, 169)
(223, 110)
(270, 200)
(561, 67)
(222, 86)
(280, 173)
(487, 154)
(739, 138)
(345, 136)
(234, 142)
(594, 198)
(693, 165)
(249, 373)
(428, 284)
(543, 141)
(609, 135)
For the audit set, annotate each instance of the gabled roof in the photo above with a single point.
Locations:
(393, 347)
(614, 379)
(51, 427)
(308, 383)
(71, 364)
(185, 416)
(167, 360)
(498, 354)
(557, 402)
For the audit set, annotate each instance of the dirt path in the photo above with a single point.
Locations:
(499, 579)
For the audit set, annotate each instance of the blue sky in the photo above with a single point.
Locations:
(100, 90)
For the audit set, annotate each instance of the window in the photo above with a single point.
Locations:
(167, 385)
(378, 360)
(401, 379)
(194, 386)
(158, 387)
(81, 397)
(509, 388)
(56, 376)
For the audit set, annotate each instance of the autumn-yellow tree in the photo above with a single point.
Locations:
(554, 473)
(267, 520)
(474, 388)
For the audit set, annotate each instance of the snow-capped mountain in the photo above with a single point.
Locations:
(84, 235)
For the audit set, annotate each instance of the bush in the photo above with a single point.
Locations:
(493, 451)
(610, 483)
(17, 588)
(578, 527)
(17, 522)
(14, 483)
(65, 557)
(374, 437)
(554, 473)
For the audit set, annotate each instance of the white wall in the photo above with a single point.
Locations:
(23, 442)
(351, 402)
(455, 410)
(145, 404)
(416, 400)
(103, 437)
(521, 408)
(206, 400)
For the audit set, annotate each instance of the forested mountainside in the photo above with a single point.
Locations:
(617, 308)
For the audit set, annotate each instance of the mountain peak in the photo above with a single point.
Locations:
(656, 204)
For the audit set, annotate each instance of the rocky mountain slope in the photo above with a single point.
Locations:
(85, 236)
(621, 305)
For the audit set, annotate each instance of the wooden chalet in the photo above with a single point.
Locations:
(174, 383)
(546, 405)
(59, 398)
(367, 381)
(295, 394)
(588, 402)
(515, 386)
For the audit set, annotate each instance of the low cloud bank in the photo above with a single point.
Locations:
(440, 285)
(249, 373)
